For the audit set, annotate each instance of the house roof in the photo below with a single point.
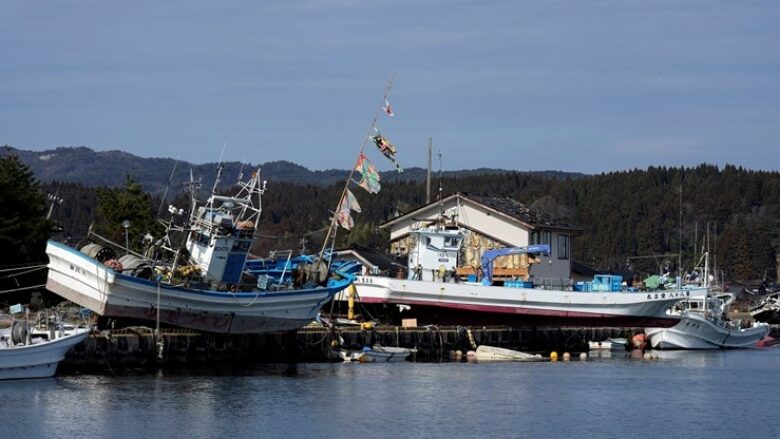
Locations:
(507, 207)
(373, 256)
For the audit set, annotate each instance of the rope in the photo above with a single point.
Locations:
(22, 266)
(34, 269)
(22, 289)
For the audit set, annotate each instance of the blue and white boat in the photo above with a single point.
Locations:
(202, 285)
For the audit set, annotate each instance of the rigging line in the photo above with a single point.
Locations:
(22, 289)
(24, 272)
(352, 171)
(165, 193)
(23, 267)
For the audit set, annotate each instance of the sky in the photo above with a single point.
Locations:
(581, 86)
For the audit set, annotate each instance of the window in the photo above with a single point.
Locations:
(563, 247)
(546, 238)
(534, 238)
(451, 242)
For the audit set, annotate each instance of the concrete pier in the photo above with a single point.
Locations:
(137, 348)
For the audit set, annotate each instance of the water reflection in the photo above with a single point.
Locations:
(408, 399)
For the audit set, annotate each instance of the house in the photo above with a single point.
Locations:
(490, 222)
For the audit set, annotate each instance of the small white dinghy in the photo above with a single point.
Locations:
(27, 352)
(386, 354)
(491, 353)
(610, 344)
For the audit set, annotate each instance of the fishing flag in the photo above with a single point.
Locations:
(352, 201)
(370, 176)
(344, 216)
(385, 147)
(388, 109)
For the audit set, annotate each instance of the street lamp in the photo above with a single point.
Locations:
(126, 225)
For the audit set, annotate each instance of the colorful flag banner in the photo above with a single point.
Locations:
(370, 176)
(388, 109)
(352, 202)
(345, 219)
(385, 147)
(348, 204)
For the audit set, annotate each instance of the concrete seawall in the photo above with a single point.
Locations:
(136, 348)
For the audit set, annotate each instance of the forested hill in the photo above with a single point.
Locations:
(109, 168)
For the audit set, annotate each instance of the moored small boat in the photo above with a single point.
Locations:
(491, 353)
(28, 352)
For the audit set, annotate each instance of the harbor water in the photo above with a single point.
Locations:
(720, 394)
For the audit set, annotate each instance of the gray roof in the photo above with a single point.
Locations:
(534, 218)
(522, 212)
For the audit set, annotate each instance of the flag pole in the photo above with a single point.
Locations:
(352, 171)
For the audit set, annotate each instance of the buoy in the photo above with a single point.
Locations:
(471, 354)
(566, 356)
(458, 354)
(553, 356)
(583, 356)
(648, 356)
(452, 355)
(639, 341)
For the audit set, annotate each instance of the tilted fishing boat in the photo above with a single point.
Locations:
(202, 284)
(439, 296)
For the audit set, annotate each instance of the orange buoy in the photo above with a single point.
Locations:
(639, 341)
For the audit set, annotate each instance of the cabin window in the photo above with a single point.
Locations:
(534, 239)
(451, 242)
(563, 247)
(546, 238)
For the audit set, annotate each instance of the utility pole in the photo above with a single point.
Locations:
(428, 179)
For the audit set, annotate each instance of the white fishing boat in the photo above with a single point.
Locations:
(202, 284)
(703, 325)
(29, 352)
(485, 354)
(442, 299)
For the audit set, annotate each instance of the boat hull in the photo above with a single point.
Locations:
(697, 332)
(37, 360)
(475, 304)
(84, 281)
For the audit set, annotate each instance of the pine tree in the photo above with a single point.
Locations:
(24, 228)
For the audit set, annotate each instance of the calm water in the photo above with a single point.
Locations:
(687, 394)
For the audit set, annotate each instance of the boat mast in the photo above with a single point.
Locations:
(679, 243)
(333, 224)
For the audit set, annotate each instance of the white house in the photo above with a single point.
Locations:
(493, 223)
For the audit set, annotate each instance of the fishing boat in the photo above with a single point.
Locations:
(704, 325)
(34, 352)
(201, 284)
(440, 296)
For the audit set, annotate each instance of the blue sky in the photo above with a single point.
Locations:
(577, 86)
